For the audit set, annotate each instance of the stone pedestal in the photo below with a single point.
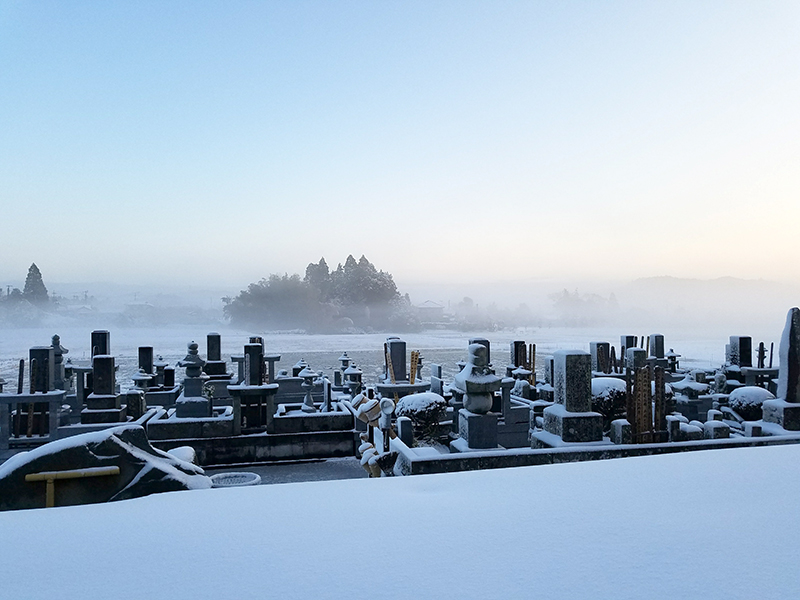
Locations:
(785, 414)
(478, 431)
(196, 407)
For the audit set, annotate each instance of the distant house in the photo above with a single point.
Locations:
(430, 311)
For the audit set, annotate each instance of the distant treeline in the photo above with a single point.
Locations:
(355, 295)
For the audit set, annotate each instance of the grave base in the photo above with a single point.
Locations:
(91, 416)
(785, 414)
(479, 431)
(573, 426)
(187, 407)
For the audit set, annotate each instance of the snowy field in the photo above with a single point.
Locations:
(718, 524)
(321, 351)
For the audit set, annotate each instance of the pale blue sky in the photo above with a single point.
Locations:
(217, 142)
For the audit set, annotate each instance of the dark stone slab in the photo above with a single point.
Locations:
(479, 431)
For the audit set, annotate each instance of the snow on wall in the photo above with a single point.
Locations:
(614, 529)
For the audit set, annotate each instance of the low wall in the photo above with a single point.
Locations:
(267, 447)
(410, 463)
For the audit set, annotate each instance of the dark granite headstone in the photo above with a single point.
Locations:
(254, 363)
(789, 374)
(104, 376)
(741, 350)
(101, 342)
(657, 345)
(146, 359)
(397, 352)
(45, 367)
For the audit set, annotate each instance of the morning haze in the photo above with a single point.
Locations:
(502, 152)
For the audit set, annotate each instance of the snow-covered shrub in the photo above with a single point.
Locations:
(747, 400)
(608, 398)
(425, 410)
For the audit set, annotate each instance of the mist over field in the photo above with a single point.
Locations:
(653, 301)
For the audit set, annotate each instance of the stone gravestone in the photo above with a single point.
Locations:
(103, 404)
(571, 419)
(519, 354)
(657, 345)
(785, 409)
(45, 368)
(192, 402)
(101, 342)
(397, 353)
(741, 350)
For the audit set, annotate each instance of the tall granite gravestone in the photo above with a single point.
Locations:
(741, 350)
(519, 354)
(214, 365)
(147, 368)
(627, 341)
(657, 345)
(45, 368)
(103, 404)
(101, 342)
(571, 418)
(785, 409)
(476, 383)
(397, 353)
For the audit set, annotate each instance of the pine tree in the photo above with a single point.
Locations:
(34, 290)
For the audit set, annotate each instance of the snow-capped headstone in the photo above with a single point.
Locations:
(254, 364)
(397, 354)
(785, 410)
(741, 349)
(571, 417)
(146, 359)
(657, 345)
(101, 342)
(519, 353)
(789, 374)
(635, 358)
(45, 368)
(627, 341)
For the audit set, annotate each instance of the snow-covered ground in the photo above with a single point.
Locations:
(712, 524)
(321, 351)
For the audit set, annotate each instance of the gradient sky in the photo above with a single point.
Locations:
(218, 142)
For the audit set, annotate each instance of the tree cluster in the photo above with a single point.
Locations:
(355, 294)
(34, 290)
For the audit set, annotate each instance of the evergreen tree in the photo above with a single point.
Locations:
(34, 290)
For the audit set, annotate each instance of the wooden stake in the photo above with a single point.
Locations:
(412, 374)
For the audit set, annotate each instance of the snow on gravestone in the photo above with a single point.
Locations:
(785, 411)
